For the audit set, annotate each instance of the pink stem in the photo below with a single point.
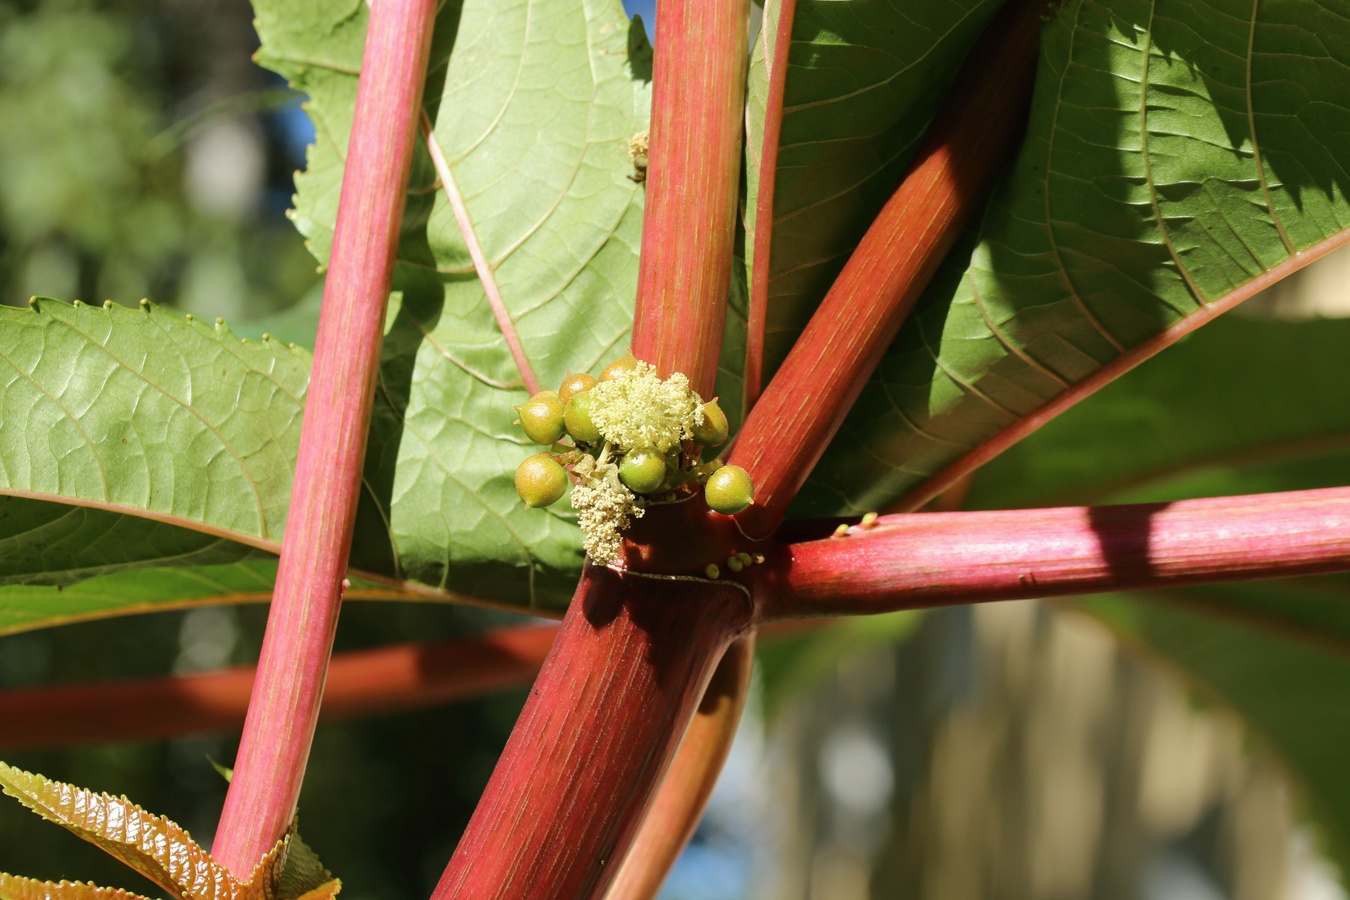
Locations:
(315, 547)
(919, 560)
(693, 179)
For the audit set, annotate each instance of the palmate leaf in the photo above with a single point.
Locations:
(1265, 407)
(144, 411)
(28, 606)
(863, 81)
(158, 848)
(1176, 151)
(533, 102)
(543, 97)
(1242, 406)
(190, 430)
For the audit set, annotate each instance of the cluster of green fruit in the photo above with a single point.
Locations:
(637, 439)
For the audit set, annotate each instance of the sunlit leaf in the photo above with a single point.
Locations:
(1175, 152)
(533, 103)
(863, 81)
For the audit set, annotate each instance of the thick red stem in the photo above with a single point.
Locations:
(693, 179)
(618, 689)
(684, 794)
(285, 706)
(933, 559)
(859, 317)
(363, 682)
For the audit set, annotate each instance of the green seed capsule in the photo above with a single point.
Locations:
(577, 418)
(643, 470)
(575, 383)
(715, 428)
(540, 481)
(624, 364)
(729, 490)
(542, 418)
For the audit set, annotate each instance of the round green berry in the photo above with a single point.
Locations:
(729, 490)
(540, 481)
(577, 418)
(575, 383)
(715, 428)
(643, 470)
(542, 417)
(621, 366)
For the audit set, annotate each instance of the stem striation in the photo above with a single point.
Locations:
(684, 793)
(599, 728)
(285, 704)
(860, 316)
(912, 561)
(693, 182)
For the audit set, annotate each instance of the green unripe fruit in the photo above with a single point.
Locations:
(577, 418)
(715, 428)
(626, 363)
(729, 490)
(540, 481)
(541, 417)
(575, 383)
(643, 470)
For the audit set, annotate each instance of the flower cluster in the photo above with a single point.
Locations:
(637, 439)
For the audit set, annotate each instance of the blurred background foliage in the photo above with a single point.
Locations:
(1002, 752)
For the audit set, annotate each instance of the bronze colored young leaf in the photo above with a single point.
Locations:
(152, 845)
(157, 848)
(14, 888)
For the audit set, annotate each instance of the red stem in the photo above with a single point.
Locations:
(768, 178)
(932, 559)
(623, 678)
(859, 317)
(359, 683)
(285, 705)
(693, 182)
(684, 794)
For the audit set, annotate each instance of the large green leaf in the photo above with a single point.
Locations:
(533, 103)
(189, 430)
(863, 81)
(1176, 150)
(144, 411)
(1288, 683)
(1265, 407)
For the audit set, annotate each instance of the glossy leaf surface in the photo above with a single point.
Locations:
(863, 81)
(1175, 153)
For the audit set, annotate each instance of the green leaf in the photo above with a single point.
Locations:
(1288, 680)
(141, 411)
(533, 103)
(863, 81)
(1265, 407)
(1153, 184)
(24, 607)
